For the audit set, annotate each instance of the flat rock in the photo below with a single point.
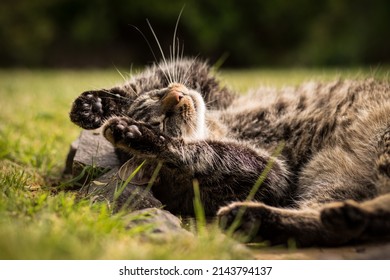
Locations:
(93, 151)
(162, 223)
(93, 162)
(94, 166)
(121, 196)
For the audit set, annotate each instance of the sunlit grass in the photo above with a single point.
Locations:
(40, 221)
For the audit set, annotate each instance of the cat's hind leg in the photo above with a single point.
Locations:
(370, 218)
(352, 180)
(260, 222)
(334, 224)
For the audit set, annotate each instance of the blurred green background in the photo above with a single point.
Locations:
(246, 33)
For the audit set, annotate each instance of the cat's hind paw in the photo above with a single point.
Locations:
(345, 217)
(242, 219)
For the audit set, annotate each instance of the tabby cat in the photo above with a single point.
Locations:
(329, 185)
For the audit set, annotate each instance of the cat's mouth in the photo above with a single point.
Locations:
(175, 98)
(183, 110)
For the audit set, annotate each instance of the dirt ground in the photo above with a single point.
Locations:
(367, 251)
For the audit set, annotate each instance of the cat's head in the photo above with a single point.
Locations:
(175, 110)
(171, 97)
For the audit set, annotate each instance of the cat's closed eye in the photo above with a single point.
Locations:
(158, 95)
(155, 124)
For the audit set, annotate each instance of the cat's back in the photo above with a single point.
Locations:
(313, 98)
(307, 117)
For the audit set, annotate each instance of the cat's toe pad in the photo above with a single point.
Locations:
(121, 129)
(133, 132)
(115, 129)
(92, 103)
(97, 105)
(87, 111)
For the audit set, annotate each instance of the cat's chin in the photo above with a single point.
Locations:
(200, 130)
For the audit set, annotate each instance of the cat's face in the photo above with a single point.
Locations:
(176, 110)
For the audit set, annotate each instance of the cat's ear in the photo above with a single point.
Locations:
(92, 108)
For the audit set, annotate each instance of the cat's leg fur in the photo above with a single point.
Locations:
(227, 167)
(370, 218)
(92, 108)
(261, 222)
(333, 224)
(364, 220)
(357, 178)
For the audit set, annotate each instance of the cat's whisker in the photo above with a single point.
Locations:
(179, 77)
(172, 62)
(151, 49)
(186, 74)
(130, 74)
(209, 103)
(114, 96)
(180, 58)
(120, 73)
(169, 77)
(174, 45)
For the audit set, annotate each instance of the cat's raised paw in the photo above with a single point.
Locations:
(119, 129)
(128, 134)
(87, 111)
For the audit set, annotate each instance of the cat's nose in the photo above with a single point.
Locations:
(172, 98)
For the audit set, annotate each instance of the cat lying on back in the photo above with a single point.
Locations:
(329, 185)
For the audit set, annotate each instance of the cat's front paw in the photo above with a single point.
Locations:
(133, 136)
(87, 110)
(92, 108)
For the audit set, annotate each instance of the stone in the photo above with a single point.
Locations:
(162, 223)
(94, 165)
(121, 196)
(68, 170)
(93, 151)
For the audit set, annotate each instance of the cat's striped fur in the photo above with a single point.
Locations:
(329, 185)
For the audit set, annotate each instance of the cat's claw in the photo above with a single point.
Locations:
(133, 132)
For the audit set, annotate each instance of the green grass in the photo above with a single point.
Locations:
(38, 221)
